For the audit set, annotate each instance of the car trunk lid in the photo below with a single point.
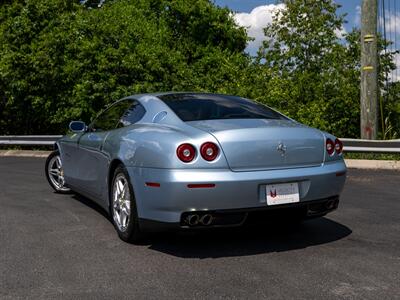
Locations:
(260, 144)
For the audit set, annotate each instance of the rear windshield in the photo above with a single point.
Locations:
(196, 107)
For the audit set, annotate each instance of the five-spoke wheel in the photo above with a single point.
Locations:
(55, 173)
(123, 207)
(121, 202)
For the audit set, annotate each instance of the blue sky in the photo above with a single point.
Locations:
(348, 6)
(256, 14)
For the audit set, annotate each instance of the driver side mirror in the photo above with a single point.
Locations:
(77, 126)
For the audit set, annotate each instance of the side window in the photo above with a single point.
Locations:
(132, 115)
(109, 119)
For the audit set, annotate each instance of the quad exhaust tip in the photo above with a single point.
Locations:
(330, 204)
(195, 219)
(206, 219)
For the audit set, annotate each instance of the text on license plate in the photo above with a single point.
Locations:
(282, 193)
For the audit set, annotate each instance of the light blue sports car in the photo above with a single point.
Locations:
(196, 160)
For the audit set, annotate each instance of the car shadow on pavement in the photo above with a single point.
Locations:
(264, 237)
(93, 205)
(250, 240)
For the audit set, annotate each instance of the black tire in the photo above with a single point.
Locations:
(130, 233)
(58, 185)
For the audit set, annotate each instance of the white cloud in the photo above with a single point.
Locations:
(392, 22)
(258, 19)
(340, 33)
(255, 22)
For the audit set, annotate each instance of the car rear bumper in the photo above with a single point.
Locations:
(238, 217)
(226, 190)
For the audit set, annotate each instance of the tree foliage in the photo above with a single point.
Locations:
(63, 60)
(317, 64)
(320, 72)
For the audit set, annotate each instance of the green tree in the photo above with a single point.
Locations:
(319, 77)
(391, 111)
(60, 60)
(315, 68)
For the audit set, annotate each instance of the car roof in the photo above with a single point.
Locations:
(178, 93)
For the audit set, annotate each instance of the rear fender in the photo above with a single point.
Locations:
(155, 145)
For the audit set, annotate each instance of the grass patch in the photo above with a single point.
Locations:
(372, 156)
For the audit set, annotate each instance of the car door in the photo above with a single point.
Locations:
(69, 153)
(92, 160)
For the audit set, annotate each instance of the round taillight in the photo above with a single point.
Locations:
(186, 152)
(209, 151)
(330, 146)
(338, 146)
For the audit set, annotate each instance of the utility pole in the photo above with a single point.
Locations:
(369, 69)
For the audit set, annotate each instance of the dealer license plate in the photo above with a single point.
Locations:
(282, 193)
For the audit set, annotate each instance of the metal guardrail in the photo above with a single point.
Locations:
(372, 146)
(29, 140)
(350, 145)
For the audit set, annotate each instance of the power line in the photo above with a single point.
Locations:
(395, 38)
(388, 13)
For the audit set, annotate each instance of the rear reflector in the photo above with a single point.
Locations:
(153, 184)
(201, 185)
(341, 173)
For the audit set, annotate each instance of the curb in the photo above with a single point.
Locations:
(24, 153)
(350, 163)
(373, 164)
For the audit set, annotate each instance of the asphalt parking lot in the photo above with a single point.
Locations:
(63, 246)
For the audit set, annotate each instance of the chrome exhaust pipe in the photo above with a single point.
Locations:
(206, 219)
(330, 204)
(192, 220)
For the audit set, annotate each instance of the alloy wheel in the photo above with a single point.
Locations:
(121, 202)
(56, 174)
